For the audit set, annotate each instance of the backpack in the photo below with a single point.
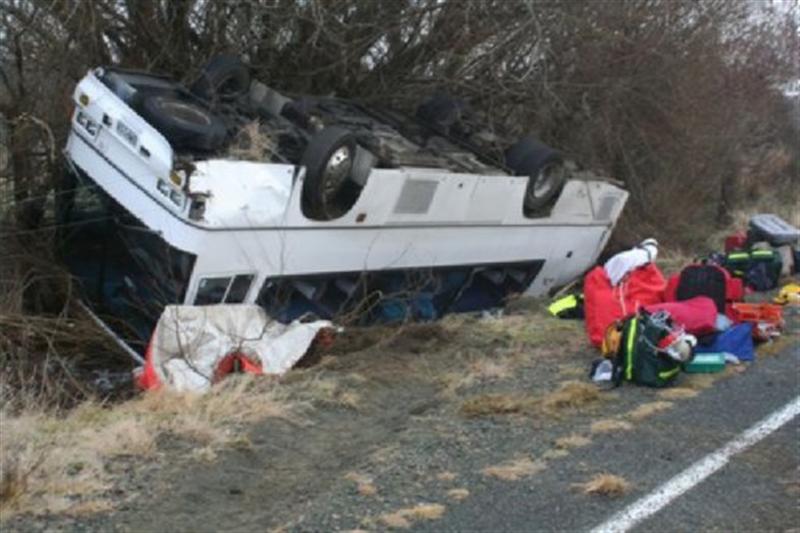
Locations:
(705, 279)
(638, 359)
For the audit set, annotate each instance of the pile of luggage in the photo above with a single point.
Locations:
(650, 328)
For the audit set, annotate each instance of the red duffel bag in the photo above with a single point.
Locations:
(604, 304)
(697, 315)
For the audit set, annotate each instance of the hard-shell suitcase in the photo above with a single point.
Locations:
(772, 229)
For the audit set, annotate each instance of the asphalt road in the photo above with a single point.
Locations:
(758, 490)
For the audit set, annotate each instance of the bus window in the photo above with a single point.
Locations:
(211, 290)
(239, 288)
(229, 290)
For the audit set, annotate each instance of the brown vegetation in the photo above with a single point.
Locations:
(610, 426)
(677, 393)
(52, 463)
(568, 395)
(641, 89)
(571, 395)
(514, 469)
(604, 485)
(364, 483)
(649, 409)
(497, 404)
(403, 518)
(458, 494)
(572, 441)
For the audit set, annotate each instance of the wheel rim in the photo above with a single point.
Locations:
(336, 172)
(545, 181)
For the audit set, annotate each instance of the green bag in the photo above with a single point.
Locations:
(737, 263)
(760, 269)
(638, 359)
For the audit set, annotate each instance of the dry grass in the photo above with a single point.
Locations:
(571, 371)
(479, 369)
(252, 144)
(458, 494)
(403, 518)
(699, 381)
(56, 462)
(364, 483)
(497, 404)
(446, 476)
(206, 454)
(572, 441)
(486, 369)
(555, 453)
(531, 330)
(387, 454)
(677, 393)
(604, 485)
(90, 507)
(571, 395)
(769, 202)
(610, 425)
(514, 469)
(329, 390)
(649, 409)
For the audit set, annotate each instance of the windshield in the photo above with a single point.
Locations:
(125, 269)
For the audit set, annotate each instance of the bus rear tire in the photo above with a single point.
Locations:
(328, 190)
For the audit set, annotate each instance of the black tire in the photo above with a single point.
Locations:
(224, 78)
(184, 124)
(328, 191)
(445, 115)
(545, 170)
(440, 110)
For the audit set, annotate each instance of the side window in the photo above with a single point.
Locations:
(211, 290)
(239, 288)
(228, 290)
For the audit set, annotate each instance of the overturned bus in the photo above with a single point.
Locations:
(230, 192)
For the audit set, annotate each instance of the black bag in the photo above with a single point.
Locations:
(764, 270)
(703, 280)
(638, 359)
(760, 269)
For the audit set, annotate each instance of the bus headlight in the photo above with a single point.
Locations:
(88, 124)
(177, 177)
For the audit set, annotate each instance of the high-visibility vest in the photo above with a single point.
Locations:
(570, 306)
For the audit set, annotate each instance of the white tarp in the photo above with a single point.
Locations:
(624, 262)
(189, 342)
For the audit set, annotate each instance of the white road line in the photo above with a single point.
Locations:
(695, 474)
